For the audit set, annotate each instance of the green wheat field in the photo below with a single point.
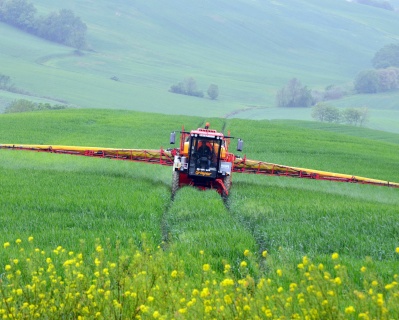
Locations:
(98, 238)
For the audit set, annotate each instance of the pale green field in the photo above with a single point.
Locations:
(150, 46)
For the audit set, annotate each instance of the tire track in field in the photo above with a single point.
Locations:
(198, 221)
(166, 237)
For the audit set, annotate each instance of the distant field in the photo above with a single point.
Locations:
(379, 118)
(249, 50)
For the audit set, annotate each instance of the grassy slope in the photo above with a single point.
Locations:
(249, 49)
(51, 196)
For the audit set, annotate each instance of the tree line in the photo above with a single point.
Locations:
(23, 105)
(62, 27)
(384, 76)
(326, 113)
(6, 84)
(189, 87)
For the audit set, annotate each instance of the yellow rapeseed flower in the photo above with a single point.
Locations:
(7, 267)
(195, 292)
(335, 256)
(363, 269)
(143, 308)
(206, 267)
(337, 280)
(397, 250)
(380, 300)
(268, 313)
(205, 292)
(246, 253)
(174, 274)
(264, 254)
(30, 239)
(6, 244)
(18, 241)
(243, 264)
(156, 315)
(227, 299)
(389, 286)
(279, 272)
(227, 282)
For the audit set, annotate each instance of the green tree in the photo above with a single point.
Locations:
(187, 87)
(178, 88)
(20, 105)
(63, 27)
(388, 79)
(5, 82)
(294, 95)
(19, 13)
(324, 112)
(387, 56)
(213, 91)
(364, 115)
(351, 116)
(367, 81)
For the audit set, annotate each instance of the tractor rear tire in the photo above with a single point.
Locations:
(175, 183)
(227, 185)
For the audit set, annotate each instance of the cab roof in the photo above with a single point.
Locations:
(208, 133)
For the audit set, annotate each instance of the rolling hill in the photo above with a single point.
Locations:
(249, 49)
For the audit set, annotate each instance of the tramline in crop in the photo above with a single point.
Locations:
(203, 160)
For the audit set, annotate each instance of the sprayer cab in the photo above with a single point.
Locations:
(203, 159)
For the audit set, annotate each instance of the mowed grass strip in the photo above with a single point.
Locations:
(198, 222)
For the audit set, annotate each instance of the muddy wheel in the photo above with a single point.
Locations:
(175, 183)
(227, 185)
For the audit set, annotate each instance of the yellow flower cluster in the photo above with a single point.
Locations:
(150, 284)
